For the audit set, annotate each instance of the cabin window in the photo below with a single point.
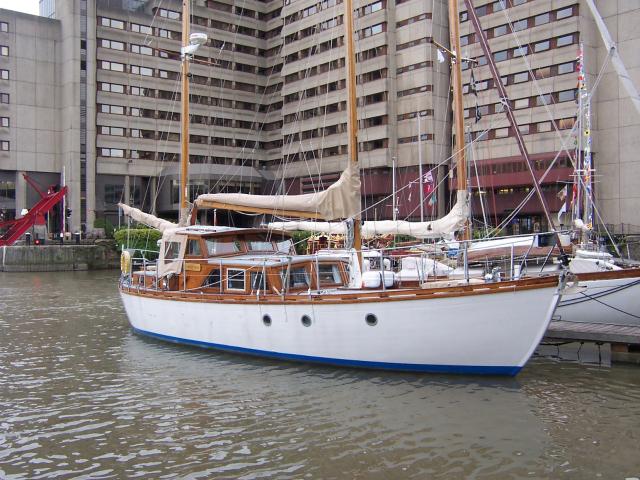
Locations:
(212, 280)
(193, 248)
(258, 281)
(235, 279)
(260, 246)
(285, 246)
(329, 274)
(171, 251)
(221, 247)
(298, 278)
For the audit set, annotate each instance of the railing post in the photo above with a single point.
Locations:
(466, 261)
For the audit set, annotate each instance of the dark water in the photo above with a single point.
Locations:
(83, 397)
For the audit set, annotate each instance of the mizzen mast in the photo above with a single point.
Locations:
(458, 109)
(352, 111)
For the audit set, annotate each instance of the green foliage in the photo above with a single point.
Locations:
(106, 225)
(143, 240)
(300, 241)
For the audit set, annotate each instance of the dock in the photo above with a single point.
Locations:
(623, 339)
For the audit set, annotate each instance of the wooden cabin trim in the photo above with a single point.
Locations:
(610, 274)
(391, 295)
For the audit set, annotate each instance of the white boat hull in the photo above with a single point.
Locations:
(479, 334)
(614, 301)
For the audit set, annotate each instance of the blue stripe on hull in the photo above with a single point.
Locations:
(403, 367)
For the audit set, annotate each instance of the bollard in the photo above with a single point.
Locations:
(27, 238)
(77, 237)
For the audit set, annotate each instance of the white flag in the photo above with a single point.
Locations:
(563, 209)
(440, 56)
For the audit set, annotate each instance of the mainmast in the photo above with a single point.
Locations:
(184, 115)
(504, 100)
(352, 111)
(458, 109)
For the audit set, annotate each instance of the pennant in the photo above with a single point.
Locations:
(472, 84)
(440, 56)
(562, 194)
(478, 114)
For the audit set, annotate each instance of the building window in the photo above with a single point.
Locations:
(112, 152)
(4, 98)
(4, 50)
(4, 145)
(566, 95)
(169, 14)
(542, 100)
(113, 194)
(4, 27)
(564, 13)
(541, 19)
(543, 127)
(141, 49)
(565, 40)
(519, 25)
(521, 77)
(500, 56)
(112, 23)
(113, 66)
(136, 27)
(111, 87)
(565, 68)
(144, 71)
(4, 74)
(115, 131)
(566, 123)
(112, 44)
(501, 132)
(542, 46)
(500, 30)
(520, 51)
(113, 109)
(521, 103)
(4, 122)
(373, 30)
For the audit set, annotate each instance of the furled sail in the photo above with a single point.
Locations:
(612, 48)
(340, 200)
(329, 228)
(146, 218)
(445, 226)
(442, 227)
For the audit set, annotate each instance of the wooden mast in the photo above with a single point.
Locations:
(458, 109)
(184, 115)
(352, 111)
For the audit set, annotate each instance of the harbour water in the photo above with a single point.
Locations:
(81, 396)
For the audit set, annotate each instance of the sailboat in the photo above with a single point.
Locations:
(245, 290)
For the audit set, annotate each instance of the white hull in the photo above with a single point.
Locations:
(488, 333)
(608, 301)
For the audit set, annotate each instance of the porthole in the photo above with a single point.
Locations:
(306, 320)
(371, 319)
(266, 319)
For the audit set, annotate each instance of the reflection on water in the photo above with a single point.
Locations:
(81, 396)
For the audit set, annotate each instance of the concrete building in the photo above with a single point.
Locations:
(535, 46)
(93, 90)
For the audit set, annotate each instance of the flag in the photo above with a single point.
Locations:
(563, 209)
(427, 183)
(440, 56)
(473, 88)
(478, 114)
(562, 194)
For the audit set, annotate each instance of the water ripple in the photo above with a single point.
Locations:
(82, 397)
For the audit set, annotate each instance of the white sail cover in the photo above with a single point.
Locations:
(611, 47)
(340, 200)
(443, 227)
(146, 218)
(329, 228)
